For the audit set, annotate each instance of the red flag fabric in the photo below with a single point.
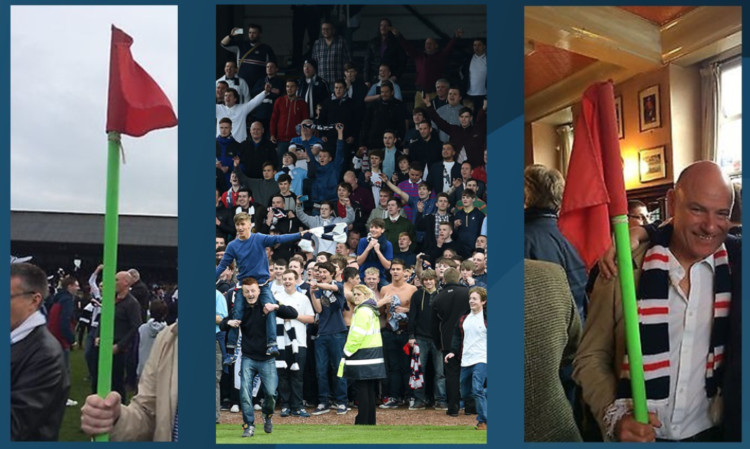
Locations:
(595, 187)
(137, 104)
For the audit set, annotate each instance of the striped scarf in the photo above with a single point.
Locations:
(653, 313)
(287, 334)
(416, 379)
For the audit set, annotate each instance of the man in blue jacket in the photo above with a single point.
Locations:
(249, 250)
(327, 170)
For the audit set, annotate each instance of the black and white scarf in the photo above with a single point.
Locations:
(290, 344)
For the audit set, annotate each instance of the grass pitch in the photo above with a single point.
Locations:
(291, 434)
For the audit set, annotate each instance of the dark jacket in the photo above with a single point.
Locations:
(127, 321)
(471, 226)
(379, 116)
(39, 387)
(426, 151)
(733, 367)
(340, 111)
(327, 176)
(420, 314)
(254, 329)
(393, 55)
(436, 252)
(142, 294)
(252, 156)
(426, 224)
(372, 259)
(263, 189)
(252, 64)
(284, 225)
(543, 241)
(265, 109)
(358, 94)
(319, 88)
(225, 228)
(226, 149)
(435, 175)
(450, 304)
(60, 321)
(473, 137)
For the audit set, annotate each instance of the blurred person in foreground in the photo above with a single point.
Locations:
(552, 331)
(39, 381)
(152, 413)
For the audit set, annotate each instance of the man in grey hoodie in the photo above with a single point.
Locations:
(149, 330)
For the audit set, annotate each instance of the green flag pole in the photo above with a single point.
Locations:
(106, 321)
(630, 312)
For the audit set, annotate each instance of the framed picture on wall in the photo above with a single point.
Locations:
(649, 108)
(619, 117)
(651, 164)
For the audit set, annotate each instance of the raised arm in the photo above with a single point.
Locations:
(403, 195)
(226, 40)
(93, 284)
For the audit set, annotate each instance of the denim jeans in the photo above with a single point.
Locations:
(396, 364)
(221, 339)
(269, 381)
(290, 382)
(427, 352)
(472, 385)
(329, 349)
(266, 297)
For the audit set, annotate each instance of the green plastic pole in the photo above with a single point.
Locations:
(107, 318)
(630, 312)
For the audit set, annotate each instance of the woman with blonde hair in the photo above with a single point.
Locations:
(363, 353)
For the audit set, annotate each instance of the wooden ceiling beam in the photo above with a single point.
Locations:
(569, 90)
(609, 34)
(700, 34)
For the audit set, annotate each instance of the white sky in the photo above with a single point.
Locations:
(59, 81)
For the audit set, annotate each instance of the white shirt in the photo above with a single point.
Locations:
(238, 84)
(475, 340)
(237, 114)
(477, 77)
(686, 412)
(302, 305)
(276, 287)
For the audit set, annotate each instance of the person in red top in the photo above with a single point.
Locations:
(430, 63)
(288, 112)
(480, 173)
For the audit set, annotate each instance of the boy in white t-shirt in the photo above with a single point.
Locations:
(470, 343)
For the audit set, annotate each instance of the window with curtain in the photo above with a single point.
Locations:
(729, 118)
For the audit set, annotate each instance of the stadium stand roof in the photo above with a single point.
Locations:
(85, 228)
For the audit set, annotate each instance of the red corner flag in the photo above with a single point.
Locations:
(595, 188)
(137, 104)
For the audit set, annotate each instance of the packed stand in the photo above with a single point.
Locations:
(337, 185)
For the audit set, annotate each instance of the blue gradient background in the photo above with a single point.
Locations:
(196, 179)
